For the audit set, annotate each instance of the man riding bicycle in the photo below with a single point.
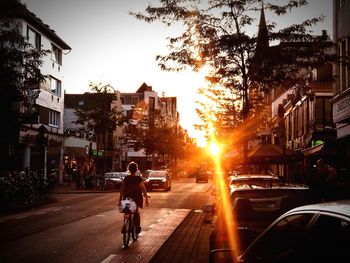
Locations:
(133, 187)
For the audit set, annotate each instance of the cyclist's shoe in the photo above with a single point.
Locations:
(123, 231)
(138, 230)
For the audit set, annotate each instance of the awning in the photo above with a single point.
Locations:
(273, 154)
(312, 150)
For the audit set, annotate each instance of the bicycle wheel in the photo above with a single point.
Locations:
(133, 231)
(126, 230)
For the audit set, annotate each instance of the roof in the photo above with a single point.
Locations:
(14, 9)
(339, 207)
(144, 87)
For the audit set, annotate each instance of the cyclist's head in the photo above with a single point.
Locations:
(133, 167)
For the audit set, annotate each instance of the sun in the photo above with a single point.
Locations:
(214, 148)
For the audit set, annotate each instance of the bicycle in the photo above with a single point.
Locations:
(128, 207)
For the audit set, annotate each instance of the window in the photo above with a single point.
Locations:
(323, 113)
(280, 240)
(55, 86)
(329, 240)
(342, 3)
(33, 38)
(56, 54)
(135, 100)
(342, 51)
(54, 118)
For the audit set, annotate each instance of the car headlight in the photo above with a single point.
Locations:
(163, 180)
(147, 180)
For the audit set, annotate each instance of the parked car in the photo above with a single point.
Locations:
(158, 179)
(112, 180)
(313, 233)
(202, 176)
(253, 206)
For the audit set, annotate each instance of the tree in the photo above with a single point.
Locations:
(99, 114)
(216, 35)
(147, 129)
(20, 80)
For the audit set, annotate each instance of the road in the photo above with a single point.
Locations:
(85, 227)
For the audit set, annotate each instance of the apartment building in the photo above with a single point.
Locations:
(48, 96)
(144, 109)
(92, 150)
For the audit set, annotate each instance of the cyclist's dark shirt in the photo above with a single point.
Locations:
(132, 189)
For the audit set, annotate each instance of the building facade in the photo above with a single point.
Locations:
(48, 99)
(144, 111)
(95, 151)
(341, 71)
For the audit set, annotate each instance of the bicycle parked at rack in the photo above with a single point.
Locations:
(128, 207)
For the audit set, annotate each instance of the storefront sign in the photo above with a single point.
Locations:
(341, 109)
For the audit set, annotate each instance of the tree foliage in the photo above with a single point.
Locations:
(97, 114)
(217, 34)
(20, 78)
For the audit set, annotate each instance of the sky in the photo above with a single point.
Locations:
(110, 46)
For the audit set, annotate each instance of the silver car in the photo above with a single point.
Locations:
(312, 233)
(114, 179)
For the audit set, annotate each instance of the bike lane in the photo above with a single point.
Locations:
(150, 240)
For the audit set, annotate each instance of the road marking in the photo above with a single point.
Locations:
(159, 220)
(109, 258)
(151, 225)
(41, 213)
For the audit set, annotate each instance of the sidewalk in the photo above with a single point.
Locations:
(72, 189)
(189, 242)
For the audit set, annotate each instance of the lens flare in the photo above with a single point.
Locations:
(214, 149)
(228, 225)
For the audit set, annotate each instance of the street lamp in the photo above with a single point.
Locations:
(42, 143)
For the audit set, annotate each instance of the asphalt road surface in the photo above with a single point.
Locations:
(85, 227)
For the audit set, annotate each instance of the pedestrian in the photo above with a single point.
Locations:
(332, 181)
(318, 183)
(78, 178)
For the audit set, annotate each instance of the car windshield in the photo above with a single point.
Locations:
(157, 174)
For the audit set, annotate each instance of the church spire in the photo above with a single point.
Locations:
(263, 36)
